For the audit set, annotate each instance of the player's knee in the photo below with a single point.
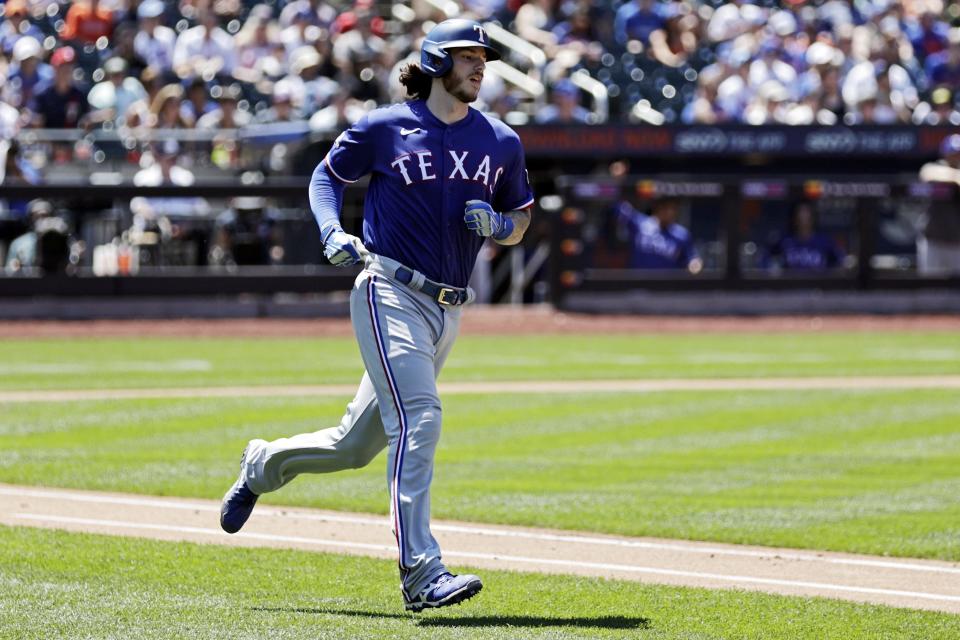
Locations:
(362, 456)
(424, 427)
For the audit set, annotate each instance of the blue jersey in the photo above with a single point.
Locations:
(814, 252)
(422, 173)
(654, 246)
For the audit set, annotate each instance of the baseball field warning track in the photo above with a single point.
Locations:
(523, 386)
(920, 584)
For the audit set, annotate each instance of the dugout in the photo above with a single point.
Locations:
(735, 187)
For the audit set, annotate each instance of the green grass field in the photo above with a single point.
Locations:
(863, 471)
(873, 472)
(81, 364)
(58, 585)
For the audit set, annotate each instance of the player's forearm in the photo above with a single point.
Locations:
(326, 197)
(521, 220)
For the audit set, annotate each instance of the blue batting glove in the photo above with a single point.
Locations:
(341, 248)
(487, 223)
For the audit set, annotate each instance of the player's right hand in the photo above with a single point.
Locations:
(342, 249)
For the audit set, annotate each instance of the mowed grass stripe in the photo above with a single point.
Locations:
(159, 363)
(871, 472)
(504, 387)
(61, 585)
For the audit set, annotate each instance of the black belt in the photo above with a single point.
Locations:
(443, 295)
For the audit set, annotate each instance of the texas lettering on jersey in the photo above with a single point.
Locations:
(421, 164)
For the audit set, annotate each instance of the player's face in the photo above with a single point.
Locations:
(463, 81)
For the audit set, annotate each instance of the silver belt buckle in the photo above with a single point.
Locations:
(448, 296)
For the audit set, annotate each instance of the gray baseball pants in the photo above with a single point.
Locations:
(404, 337)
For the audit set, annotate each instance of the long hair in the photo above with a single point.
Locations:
(416, 80)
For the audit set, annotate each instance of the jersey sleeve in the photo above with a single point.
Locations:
(353, 152)
(515, 191)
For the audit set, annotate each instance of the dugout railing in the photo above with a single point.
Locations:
(582, 218)
(563, 222)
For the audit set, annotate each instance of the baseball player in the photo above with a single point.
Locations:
(659, 242)
(938, 240)
(443, 178)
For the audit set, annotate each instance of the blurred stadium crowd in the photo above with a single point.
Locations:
(173, 81)
(224, 64)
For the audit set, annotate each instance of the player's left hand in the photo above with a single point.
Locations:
(487, 223)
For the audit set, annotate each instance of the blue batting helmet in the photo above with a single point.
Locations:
(435, 57)
(950, 145)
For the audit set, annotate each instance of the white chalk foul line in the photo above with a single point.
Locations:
(204, 531)
(691, 547)
(503, 558)
(518, 386)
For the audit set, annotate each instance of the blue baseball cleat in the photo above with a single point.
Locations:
(445, 590)
(238, 502)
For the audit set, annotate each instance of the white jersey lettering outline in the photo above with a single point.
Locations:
(424, 158)
(400, 163)
(483, 170)
(458, 164)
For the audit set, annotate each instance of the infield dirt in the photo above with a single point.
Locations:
(480, 321)
(920, 584)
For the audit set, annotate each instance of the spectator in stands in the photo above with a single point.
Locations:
(166, 109)
(28, 75)
(733, 19)
(675, 40)
(733, 92)
(138, 113)
(819, 86)
(928, 35)
(342, 112)
(122, 46)
(63, 105)
(227, 115)
(160, 166)
(565, 108)
(205, 50)
(887, 84)
(16, 26)
(636, 20)
(504, 107)
(257, 41)
(770, 105)
(154, 41)
(284, 104)
(316, 89)
(112, 98)
(534, 23)
(10, 121)
(769, 67)
(197, 102)
(940, 110)
(658, 241)
(704, 107)
(938, 238)
(943, 68)
(803, 247)
(365, 58)
(301, 30)
(87, 21)
(313, 13)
